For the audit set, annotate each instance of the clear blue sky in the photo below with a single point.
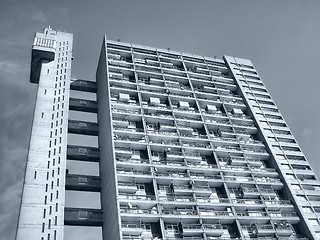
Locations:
(280, 37)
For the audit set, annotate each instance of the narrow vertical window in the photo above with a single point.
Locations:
(35, 175)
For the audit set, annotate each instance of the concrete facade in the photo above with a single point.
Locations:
(42, 206)
(189, 147)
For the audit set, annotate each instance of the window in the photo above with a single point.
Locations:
(307, 209)
(301, 198)
(295, 187)
(285, 166)
(314, 222)
(291, 176)
(35, 175)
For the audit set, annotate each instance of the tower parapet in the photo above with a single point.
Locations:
(43, 51)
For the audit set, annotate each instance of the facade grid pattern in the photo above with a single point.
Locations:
(189, 147)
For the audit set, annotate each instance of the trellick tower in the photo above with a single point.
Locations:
(189, 147)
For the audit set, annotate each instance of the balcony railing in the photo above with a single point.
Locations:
(202, 199)
(176, 198)
(180, 211)
(134, 196)
(210, 212)
(132, 171)
(138, 211)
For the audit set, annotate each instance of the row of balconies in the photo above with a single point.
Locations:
(213, 231)
(203, 194)
(168, 74)
(265, 174)
(182, 116)
(212, 180)
(190, 146)
(144, 55)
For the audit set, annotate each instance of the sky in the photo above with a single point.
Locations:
(281, 38)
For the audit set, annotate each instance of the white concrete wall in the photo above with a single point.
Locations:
(46, 121)
(109, 196)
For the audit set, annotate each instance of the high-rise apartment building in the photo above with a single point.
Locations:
(189, 147)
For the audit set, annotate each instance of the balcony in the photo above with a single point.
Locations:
(284, 229)
(83, 217)
(246, 203)
(127, 187)
(130, 171)
(202, 165)
(171, 174)
(137, 229)
(180, 212)
(282, 215)
(255, 152)
(83, 183)
(129, 128)
(193, 157)
(83, 85)
(208, 177)
(181, 188)
(262, 230)
(138, 211)
(252, 214)
(213, 200)
(172, 155)
(249, 192)
(133, 138)
(190, 229)
(278, 204)
(134, 196)
(132, 160)
(203, 189)
(210, 213)
(169, 163)
(176, 198)
(83, 105)
(164, 141)
(89, 154)
(252, 162)
(81, 127)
